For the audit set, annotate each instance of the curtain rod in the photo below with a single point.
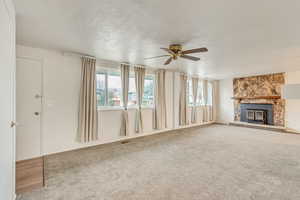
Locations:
(133, 64)
(65, 53)
(93, 57)
(76, 54)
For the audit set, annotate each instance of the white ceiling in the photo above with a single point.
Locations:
(243, 37)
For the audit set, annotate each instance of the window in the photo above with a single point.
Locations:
(199, 100)
(132, 99)
(209, 93)
(109, 92)
(148, 97)
(100, 89)
(114, 90)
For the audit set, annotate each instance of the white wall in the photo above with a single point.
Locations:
(61, 83)
(292, 109)
(225, 112)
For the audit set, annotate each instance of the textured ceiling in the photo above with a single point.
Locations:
(243, 37)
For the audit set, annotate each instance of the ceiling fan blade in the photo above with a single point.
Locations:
(190, 57)
(168, 61)
(157, 57)
(195, 50)
(169, 51)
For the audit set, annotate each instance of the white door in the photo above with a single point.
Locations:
(29, 107)
(7, 102)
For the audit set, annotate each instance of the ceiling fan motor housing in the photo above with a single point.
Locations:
(176, 48)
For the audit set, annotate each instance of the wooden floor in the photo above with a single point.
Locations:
(29, 175)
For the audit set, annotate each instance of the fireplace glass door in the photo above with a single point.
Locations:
(250, 114)
(259, 116)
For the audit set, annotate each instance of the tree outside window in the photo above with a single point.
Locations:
(109, 89)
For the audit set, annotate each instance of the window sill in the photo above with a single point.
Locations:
(119, 108)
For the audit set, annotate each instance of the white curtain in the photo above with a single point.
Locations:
(183, 103)
(125, 87)
(195, 82)
(205, 99)
(88, 116)
(160, 113)
(139, 83)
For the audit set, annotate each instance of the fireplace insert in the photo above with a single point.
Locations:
(257, 113)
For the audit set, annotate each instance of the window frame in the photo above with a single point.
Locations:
(106, 71)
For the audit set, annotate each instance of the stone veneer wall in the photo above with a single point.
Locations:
(265, 85)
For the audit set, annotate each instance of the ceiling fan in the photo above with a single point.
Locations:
(175, 50)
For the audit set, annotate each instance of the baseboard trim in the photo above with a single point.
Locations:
(291, 131)
(258, 126)
(129, 138)
(221, 123)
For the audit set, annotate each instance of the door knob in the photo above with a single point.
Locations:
(37, 96)
(36, 113)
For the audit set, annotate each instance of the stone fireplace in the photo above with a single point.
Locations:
(257, 99)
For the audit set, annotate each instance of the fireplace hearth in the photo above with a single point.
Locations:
(257, 113)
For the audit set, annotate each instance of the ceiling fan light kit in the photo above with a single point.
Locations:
(175, 50)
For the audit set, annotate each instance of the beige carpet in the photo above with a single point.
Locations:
(211, 163)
